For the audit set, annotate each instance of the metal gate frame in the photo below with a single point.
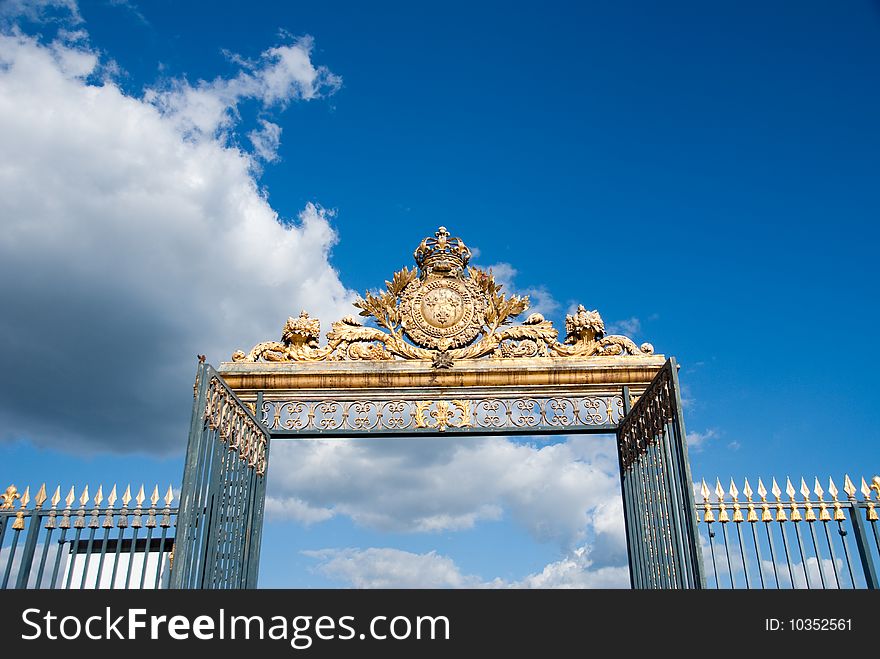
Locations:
(223, 492)
(655, 480)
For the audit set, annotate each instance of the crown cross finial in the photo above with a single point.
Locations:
(442, 254)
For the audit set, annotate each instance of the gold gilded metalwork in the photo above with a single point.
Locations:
(536, 412)
(442, 311)
(766, 516)
(722, 509)
(752, 515)
(708, 515)
(452, 414)
(734, 494)
(870, 513)
(234, 427)
(8, 497)
(789, 490)
(18, 524)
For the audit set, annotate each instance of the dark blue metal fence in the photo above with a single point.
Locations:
(87, 542)
(783, 540)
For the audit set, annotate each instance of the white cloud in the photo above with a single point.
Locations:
(266, 140)
(209, 109)
(40, 10)
(390, 568)
(561, 493)
(127, 249)
(628, 327)
(540, 299)
(393, 568)
(697, 441)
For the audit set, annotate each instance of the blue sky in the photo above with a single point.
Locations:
(704, 176)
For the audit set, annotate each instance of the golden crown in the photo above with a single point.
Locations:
(442, 253)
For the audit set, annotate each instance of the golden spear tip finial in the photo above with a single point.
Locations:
(848, 487)
(775, 489)
(805, 491)
(734, 492)
(154, 497)
(762, 491)
(56, 497)
(71, 497)
(719, 491)
(126, 496)
(704, 490)
(817, 488)
(112, 498)
(169, 496)
(140, 496)
(747, 490)
(40, 499)
(99, 495)
(832, 488)
(789, 488)
(25, 498)
(866, 491)
(84, 497)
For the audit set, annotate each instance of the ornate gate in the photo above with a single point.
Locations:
(224, 490)
(442, 356)
(658, 499)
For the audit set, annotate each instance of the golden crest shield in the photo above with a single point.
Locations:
(442, 312)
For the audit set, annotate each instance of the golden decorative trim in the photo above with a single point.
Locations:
(436, 312)
(452, 414)
(8, 497)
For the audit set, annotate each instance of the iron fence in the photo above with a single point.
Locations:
(89, 545)
(804, 541)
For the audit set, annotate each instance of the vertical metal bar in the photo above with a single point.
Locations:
(818, 554)
(627, 509)
(727, 554)
(686, 480)
(655, 517)
(862, 544)
(43, 557)
(797, 532)
(12, 547)
(208, 545)
(187, 506)
(146, 556)
(831, 551)
(842, 532)
(104, 542)
(758, 553)
(161, 565)
(742, 551)
(712, 551)
(772, 553)
(30, 546)
(255, 527)
(82, 582)
(61, 540)
(673, 497)
(120, 534)
(787, 556)
(686, 558)
(74, 546)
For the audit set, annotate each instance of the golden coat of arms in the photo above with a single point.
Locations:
(443, 310)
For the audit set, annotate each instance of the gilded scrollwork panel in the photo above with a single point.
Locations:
(490, 414)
